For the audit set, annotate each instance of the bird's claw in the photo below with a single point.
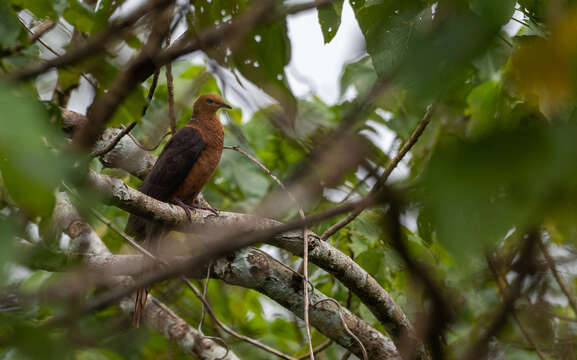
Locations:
(214, 211)
(187, 208)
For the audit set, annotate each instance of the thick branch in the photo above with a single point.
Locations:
(128, 156)
(157, 315)
(321, 253)
(254, 269)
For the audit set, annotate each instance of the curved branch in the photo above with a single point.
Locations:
(258, 271)
(321, 253)
(157, 315)
(126, 155)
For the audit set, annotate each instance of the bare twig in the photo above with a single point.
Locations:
(137, 71)
(551, 264)
(345, 326)
(41, 30)
(503, 286)
(317, 350)
(36, 36)
(526, 266)
(170, 93)
(204, 290)
(442, 311)
(91, 46)
(417, 132)
(304, 266)
(115, 141)
(151, 91)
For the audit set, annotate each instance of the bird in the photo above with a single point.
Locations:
(186, 163)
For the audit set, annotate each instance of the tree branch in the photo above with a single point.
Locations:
(126, 155)
(157, 315)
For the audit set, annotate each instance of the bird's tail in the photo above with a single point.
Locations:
(152, 234)
(139, 304)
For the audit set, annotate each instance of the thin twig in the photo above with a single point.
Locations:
(526, 266)
(503, 286)
(417, 132)
(41, 30)
(151, 91)
(317, 350)
(551, 263)
(115, 141)
(305, 262)
(204, 290)
(345, 326)
(505, 40)
(268, 172)
(170, 91)
(44, 28)
(521, 22)
(137, 143)
(92, 46)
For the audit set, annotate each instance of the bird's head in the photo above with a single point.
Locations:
(209, 103)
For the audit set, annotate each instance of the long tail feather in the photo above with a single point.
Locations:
(139, 304)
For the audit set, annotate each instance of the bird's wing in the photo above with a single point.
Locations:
(174, 163)
(169, 172)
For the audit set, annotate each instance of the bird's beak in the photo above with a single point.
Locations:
(225, 105)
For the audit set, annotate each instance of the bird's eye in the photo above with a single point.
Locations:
(210, 101)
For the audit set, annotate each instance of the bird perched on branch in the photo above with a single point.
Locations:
(186, 163)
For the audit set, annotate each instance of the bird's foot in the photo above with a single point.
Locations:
(187, 208)
(207, 208)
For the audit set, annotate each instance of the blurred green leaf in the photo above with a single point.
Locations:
(359, 74)
(483, 106)
(29, 168)
(79, 16)
(10, 28)
(330, 19)
(97, 354)
(477, 191)
(496, 12)
(42, 9)
(388, 27)
(536, 8)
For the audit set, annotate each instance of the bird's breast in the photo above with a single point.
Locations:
(203, 168)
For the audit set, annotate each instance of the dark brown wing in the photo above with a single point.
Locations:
(170, 170)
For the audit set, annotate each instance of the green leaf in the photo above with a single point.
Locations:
(489, 64)
(29, 168)
(330, 19)
(496, 12)
(10, 28)
(68, 78)
(97, 354)
(131, 109)
(262, 59)
(482, 103)
(79, 16)
(536, 8)
(42, 9)
(388, 27)
(7, 249)
(359, 74)
(478, 191)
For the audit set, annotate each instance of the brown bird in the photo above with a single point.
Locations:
(186, 163)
